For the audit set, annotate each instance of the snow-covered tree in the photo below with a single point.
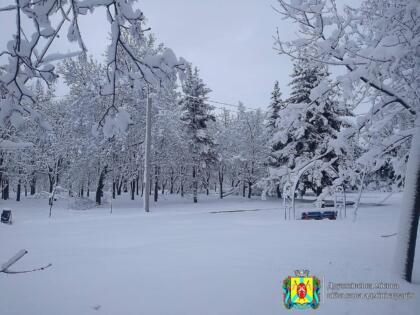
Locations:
(275, 106)
(252, 148)
(84, 77)
(29, 56)
(225, 138)
(377, 47)
(306, 130)
(169, 145)
(197, 115)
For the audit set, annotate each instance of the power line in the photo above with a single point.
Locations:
(190, 96)
(231, 105)
(212, 101)
(222, 103)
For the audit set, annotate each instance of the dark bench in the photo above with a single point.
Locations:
(6, 216)
(318, 215)
(312, 215)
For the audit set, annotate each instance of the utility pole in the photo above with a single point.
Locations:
(146, 179)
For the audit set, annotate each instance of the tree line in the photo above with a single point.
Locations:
(92, 139)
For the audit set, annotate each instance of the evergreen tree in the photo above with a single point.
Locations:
(275, 106)
(196, 115)
(310, 128)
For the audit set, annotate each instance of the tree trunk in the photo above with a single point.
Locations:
(278, 191)
(18, 191)
(101, 184)
(137, 183)
(172, 181)
(221, 178)
(26, 190)
(410, 213)
(208, 183)
(249, 189)
(133, 188)
(51, 182)
(33, 185)
(113, 189)
(163, 186)
(5, 190)
(156, 190)
(150, 183)
(243, 189)
(195, 184)
(182, 189)
(119, 186)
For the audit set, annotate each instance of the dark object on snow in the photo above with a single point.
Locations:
(6, 216)
(389, 235)
(312, 215)
(330, 203)
(331, 215)
(245, 210)
(327, 203)
(317, 215)
(4, 268)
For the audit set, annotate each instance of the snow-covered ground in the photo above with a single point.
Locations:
(183, 259)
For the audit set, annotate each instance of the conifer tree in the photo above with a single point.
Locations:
(275, 106)
(310, 128)
(196, 115)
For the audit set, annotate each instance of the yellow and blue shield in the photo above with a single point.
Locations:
(301, 292)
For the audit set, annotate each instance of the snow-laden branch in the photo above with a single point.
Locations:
(5, 266)
(377, 44)
(339, 47)
(29, 56)
(8, 8)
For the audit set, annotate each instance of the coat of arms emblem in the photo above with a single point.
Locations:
(301, 291)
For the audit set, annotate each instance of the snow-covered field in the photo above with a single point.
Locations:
(183, 259)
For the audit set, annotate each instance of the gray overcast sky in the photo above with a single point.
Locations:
(231, 42)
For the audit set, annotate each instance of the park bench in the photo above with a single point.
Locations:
(6, 216)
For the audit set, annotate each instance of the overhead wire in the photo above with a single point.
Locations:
(237, 106)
